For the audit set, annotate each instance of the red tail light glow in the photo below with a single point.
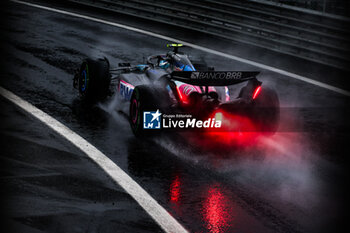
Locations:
(182, 98)
(179, 93)
(235, 131)
(256, 92)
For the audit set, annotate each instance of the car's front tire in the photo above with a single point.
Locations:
(94, 79)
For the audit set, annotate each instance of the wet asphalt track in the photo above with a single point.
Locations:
(291, 182)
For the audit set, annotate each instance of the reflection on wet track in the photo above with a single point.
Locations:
(217, 211)
(175, 190)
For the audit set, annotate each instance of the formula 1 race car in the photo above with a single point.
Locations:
(173, 83)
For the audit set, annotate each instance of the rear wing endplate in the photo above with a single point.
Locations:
(212, 78)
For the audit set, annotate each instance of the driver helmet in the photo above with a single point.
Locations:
(164, 64)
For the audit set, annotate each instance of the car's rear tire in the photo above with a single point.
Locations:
(266, 111)
(94, 79)
(144, 98)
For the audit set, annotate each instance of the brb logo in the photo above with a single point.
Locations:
(151, 120)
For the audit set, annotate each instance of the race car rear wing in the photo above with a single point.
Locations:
(212, 78)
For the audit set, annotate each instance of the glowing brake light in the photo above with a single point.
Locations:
(182, 98)
(179, 93)
(256, 92)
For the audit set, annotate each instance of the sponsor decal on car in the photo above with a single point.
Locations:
(157, 120)
(216, 75)
(125, 89)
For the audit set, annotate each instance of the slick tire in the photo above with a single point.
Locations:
(266, 111)
(94, 79)
(144, 98)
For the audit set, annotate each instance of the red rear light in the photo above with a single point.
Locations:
(183, 99)
(256, 92)
(179, 92)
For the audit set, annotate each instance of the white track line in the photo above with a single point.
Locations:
(151, 206)
(207, 50)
